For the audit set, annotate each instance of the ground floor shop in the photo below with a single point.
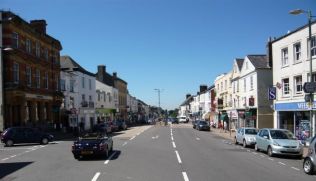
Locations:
(297, 117)
(86, 118)
(238, 118)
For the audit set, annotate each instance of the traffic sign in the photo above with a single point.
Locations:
(309, 87)
(272, 93)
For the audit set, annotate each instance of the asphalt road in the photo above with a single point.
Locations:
(150, 153)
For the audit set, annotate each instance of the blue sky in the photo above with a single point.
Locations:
(174, 45)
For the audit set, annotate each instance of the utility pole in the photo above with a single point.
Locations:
(158, 91)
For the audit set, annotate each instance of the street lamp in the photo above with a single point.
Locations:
(309, 15)
(158, 91)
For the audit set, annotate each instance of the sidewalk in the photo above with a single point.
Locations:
(230, 136)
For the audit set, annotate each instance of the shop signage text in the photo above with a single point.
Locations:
(294, 106)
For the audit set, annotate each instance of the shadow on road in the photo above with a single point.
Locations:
(9, 168)
(116, 154)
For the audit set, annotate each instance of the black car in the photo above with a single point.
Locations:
(203, 125)
(92, 144)
(16, 135)
(173, 120)
(194, 123)
(102, 127)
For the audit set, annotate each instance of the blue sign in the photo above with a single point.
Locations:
(294, 106)
(272, 93)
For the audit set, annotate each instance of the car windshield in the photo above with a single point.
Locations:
(94, 135)
(203, 123)
(251, 131)
(281, 134)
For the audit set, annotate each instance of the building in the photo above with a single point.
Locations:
(184, 108)
(290, 56)
(79, 88)
(106, 102)
(132, 108)
(30, 73)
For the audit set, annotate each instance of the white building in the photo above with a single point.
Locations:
(106, 101)
(78, 86)
(290, 54)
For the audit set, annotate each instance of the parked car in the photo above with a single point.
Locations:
(278, 142)
(194, 123)
(17, 135)
(309, 164)
(173, 120)
(102, 127)
(92, 144)
(183, 119)
(121, 124)
(203, 125)
(113, 126)
(246, 136)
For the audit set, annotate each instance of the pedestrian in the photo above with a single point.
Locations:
(225, 126)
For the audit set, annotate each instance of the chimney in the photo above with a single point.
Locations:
(203, 88)
(114, 74)
(101, 73)
(269, 52)
(39, 26)
(187, 96)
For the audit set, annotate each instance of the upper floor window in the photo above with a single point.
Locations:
(57, 82)
(38, 49)
(46, 80)
(109, 95)
(298, 84)
(38, 78)
(221, 86)
(62, 84)
(237, 85)
(246, 65)
(225, 84)
(16, 73)
(28, 46)
(90, 84)
(46, 54)
(234, 88)
(90, 98)
(28, 73)
(83, 97)
(251, 82)
(15, 40)
(72, 85)
(99, 95)
(297, 52)
(286, 86)
(245, 84)
(313, 47)
(82, 82)
(285, 57)
(104, 97)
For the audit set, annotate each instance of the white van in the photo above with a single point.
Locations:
(183, 119)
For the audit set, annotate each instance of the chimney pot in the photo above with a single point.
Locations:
(39, 25)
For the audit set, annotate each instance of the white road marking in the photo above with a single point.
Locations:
(132, 138)
(27, 151)
(248, 150)
(198, 139)
(172, 138)
(171, 134)
(12, 156)
(282, 163)
(109, 158)
(295, 168)
(178, 157)
(124, 143)
(174, 144)
(262, 156)
(185, 176)
(96, 176)
(5, 159)
(255, 153)
(271, 159)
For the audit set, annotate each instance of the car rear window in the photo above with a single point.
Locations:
(251, 131)
(281, 134)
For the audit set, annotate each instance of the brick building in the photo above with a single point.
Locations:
(30, 73)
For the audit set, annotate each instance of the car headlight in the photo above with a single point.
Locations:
(276, 144)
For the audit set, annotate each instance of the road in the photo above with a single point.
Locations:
(150, 153)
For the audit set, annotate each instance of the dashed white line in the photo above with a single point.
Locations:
(5, 159)
(198, 139)
(172, 138)
(12, 156)
(282, 163)
(185, 176)
(124, 143)
(96, 176)
(271, 159)
(262, 156)
(132, 138)
(174, 144)
(255, 153)
(178, 157)
(295, 168)
(109, 158)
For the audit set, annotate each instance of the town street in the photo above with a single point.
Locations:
(150, 153)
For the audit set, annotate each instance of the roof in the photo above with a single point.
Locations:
(66, 62)
(259, 61)
(189, 99)
(239, 62)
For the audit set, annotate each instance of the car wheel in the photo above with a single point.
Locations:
(44, 141)
(244, 144)
(270, 153)
(9, 143)
(77, 157)
(235, 141)
(308, 166)
(256, 147)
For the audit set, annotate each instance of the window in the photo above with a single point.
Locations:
(285, 57)
(298, 84)
(90, 98)
(57, 82)
(234, 87)
(104, 96)
(246, 65)
(72, 85)
(46, 54)
(15, 40)
(38, 49)
(221, 86)
(109, 95)
(237, 85)
(225, 84)
(245, 81)
(38, 78)
(62, 84)
(28, 46)
(82, 82)
(28, 73)
(286, 86)
(46, 80)
(99, 95)
(297, 52)
(251, 82)
(16, 73)
(90, 84)
(313, 48)
(83, 97)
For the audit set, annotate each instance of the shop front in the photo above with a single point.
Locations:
(296, 118)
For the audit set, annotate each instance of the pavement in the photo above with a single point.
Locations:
(230, 135)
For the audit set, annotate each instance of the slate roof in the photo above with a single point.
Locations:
(66, 62)
(259, 61)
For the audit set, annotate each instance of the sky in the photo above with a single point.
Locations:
(171, 45)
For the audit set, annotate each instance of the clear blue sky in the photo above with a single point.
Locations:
(174, 45)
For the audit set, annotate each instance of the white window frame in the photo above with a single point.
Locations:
(46, 80)
(46, 54)
(286, 87)
(62, 84)
(38, 49)
(72, 85)
(38, 78)
(16, 73)
(297, 52)
(298, 86)
(28, 74)
(313, 48)
(28, 45)
(15, 40)
(285, 57)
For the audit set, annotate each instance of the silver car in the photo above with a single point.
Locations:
(246, 136)
(278, 142)
(309, 163)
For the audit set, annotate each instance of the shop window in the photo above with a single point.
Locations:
(286, 86)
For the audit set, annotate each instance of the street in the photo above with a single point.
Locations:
(150, 153)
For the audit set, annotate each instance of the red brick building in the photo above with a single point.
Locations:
(31, 73)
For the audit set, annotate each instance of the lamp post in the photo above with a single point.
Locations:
(158, 91)
(311, 95)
